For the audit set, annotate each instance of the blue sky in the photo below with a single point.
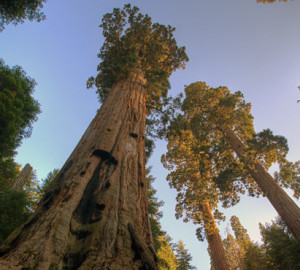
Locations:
(246, 46)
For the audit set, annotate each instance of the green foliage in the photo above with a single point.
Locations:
(165, 254)
(268, 148)
(183, 257)
(162, 242)
(8, 172)
(282, 250)
(208, 111)
(12, 210)
(279, 249)
(46, 182)
(18, 109)
(16, 11)
(289, 176)
(132, 41)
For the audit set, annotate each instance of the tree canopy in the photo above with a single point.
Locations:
(16, 11)
(132, 41)
(18, 108)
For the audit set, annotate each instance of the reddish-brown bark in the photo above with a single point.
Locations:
(283, 204)
(214, 240)
(94, 215)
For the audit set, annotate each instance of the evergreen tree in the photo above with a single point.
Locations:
(16, 11)
(18, 109)
(94, 214)
(46, 182)
(282, 251)
(166, 258)
(184, 258)
(223, 122)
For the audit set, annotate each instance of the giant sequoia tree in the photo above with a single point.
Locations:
(223, 119)
(94, 213)
(192, 174)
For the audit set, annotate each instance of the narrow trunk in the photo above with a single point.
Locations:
(214, 240)
(283, 204)
(22, 178)
(94, 214)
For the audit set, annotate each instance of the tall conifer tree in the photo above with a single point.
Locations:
(94, 214)
(224, 121)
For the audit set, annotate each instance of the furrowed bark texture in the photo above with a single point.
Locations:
(214, 240)
(94, 215)
(283, 204)
(23, 177)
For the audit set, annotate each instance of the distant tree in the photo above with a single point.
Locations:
(166, 256)
(234, 252)
(16, 202)
(16, 11)
(162, 242)
(242, 253)
(183, 257)
(224, 121)
(46, 182)
(255, 259)
(282, 251)
(18, 109)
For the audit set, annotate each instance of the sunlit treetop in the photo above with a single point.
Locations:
(203, 165)
(132, 41)
(209, 109)
(16, 11)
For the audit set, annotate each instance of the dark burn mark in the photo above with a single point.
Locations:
(100, 207)
(107, 185)
(68, 166)
(80, 234)
(90, 209)
(133, 135)
(74, 260)
(87, 211)
(82, 173)
(105, 156)
(134, 245)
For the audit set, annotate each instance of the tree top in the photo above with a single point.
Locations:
(132, 40)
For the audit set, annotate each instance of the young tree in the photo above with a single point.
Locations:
(94, 214)
(184, 258)
(166, 258)
(243, 254)
(16, 11)
(225, 121)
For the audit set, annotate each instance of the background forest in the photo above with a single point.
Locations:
(249, 47)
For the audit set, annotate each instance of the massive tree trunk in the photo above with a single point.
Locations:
(214, 240)
(23, 177)
(283, 204)
(94, 215)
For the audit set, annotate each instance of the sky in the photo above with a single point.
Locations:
(246, 46)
